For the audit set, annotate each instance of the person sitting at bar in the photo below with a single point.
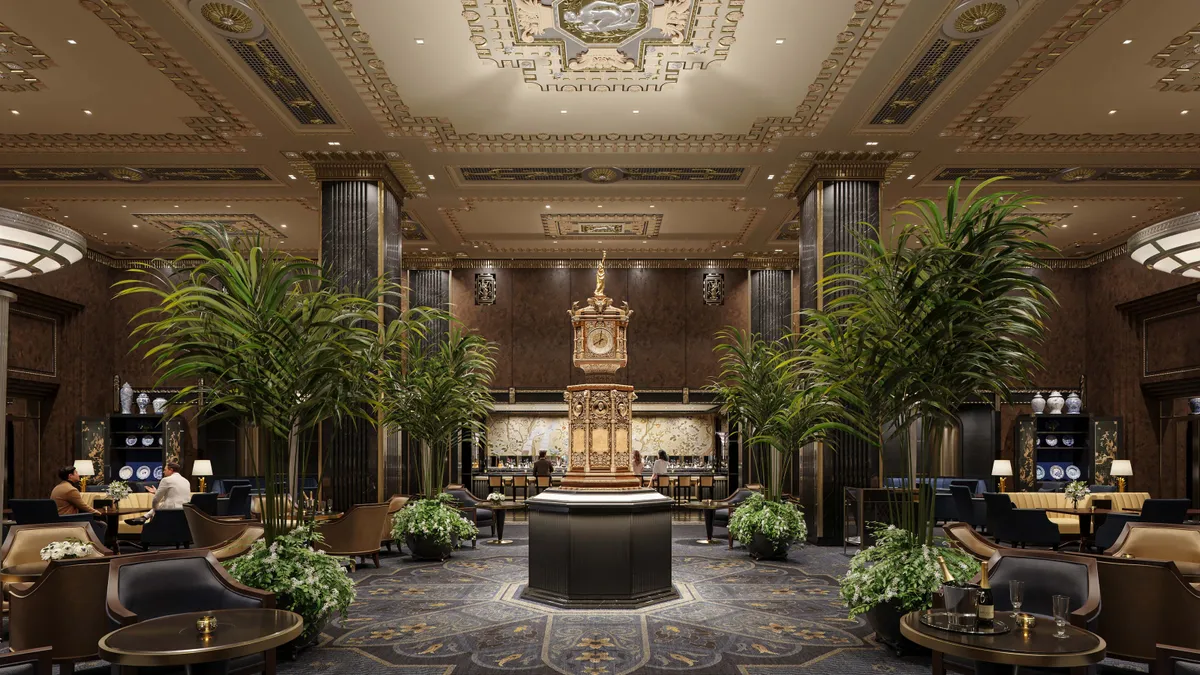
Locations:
(638, 464)
(69, 502)
(173, 492)
(543, 466)
(660, 466)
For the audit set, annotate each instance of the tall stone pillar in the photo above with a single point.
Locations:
(837, 196)
(361, 200)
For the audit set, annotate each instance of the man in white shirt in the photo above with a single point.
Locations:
(172, 493)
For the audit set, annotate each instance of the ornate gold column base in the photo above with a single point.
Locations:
(601, 450)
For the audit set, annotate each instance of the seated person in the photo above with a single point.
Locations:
(543, 466)
(660, 467)
(66, 497)
(173, 492)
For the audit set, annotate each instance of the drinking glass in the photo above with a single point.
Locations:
(329, 506)
(1016, 594)
(1062, 610)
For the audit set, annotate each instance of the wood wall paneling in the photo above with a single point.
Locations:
(657, 356)
(541, 333)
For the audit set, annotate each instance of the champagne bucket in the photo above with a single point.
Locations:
(961, 599)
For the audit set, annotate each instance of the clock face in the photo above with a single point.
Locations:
(600, 341)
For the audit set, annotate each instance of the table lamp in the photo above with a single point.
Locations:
(202, 468)
(85, 469)
(1002, 468)
(1121, 468)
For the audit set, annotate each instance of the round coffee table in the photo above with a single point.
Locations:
(710, 509)
(174, 641)
(24, 572)
(1037, 647)
(498, 511)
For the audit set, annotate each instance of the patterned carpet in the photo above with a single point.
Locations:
(734, 616)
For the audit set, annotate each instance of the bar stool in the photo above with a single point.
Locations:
(495, 484)
(541, 483)
(520, 483)
(663, 485)
(706, 483)
(684, 485)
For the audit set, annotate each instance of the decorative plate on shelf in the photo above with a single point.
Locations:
(158, 473)
(1051, 441)
(1041, 472)
(1056, 472)
(147, 441)
(1073, 472)
(143, 472)
(126, 472)
(131, 441)
(1068, 441)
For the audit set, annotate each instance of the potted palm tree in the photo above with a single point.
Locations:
(915, 328)
(436, 392)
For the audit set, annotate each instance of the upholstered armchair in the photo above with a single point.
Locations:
(24, 543)
(237, 503)
(1020, 527)
(1158, 511)
(469, 504)
(1160, 541)
(1046, 574)
(396, 503)
(207, 531)
(356, 533)
(1171, 660)
(168, 527)
(151, 585)
(42, 511)
(965, 538)
(31, 662)
(728, 505)
(239, 545)
(36, 611)
(1145, 602)
(968, 508)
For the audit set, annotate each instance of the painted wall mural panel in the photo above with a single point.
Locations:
(512, 435)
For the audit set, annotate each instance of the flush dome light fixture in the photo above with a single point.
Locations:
(30, 245)
(1172, 246)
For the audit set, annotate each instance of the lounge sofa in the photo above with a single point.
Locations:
(1068, 524)
(137, 500)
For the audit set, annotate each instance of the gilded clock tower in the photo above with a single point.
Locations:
(600, 413)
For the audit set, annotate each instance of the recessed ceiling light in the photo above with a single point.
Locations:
(599, 206)
(645, 242)
(72, 42)
(1064, 226)
(1183, 112)
(104, 234)
(87, 112)
(227, 206)
(563, 112)
(283, 225)
(547, 206)
(334, 142)
(779, 250)
(872, 142)
(66, 216)
(1075, 207)
(770, 176)
(1133, 216)
(135, 225)
(1127, 42)
(424, 248)
(651, 206)
(779, 41)
(912, 176)
(431, 177)
(475, 246)
(419, 41)
(124, 207)
(599, 242)
(15, 112)
(1095, 234)
(636, 112)
(723, 246)
(556, 241)
(176, 206)
(292, 176)
(1112, 112)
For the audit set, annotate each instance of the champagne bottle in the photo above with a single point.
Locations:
(947, 578)
(987, 605)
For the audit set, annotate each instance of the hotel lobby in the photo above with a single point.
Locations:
(600, 337)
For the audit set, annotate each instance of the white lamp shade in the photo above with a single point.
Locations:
(1121, 467)
(202, 467)
(1002, 467)
(85, 467)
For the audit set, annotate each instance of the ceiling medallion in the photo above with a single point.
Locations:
(602, 174)
(126, 174)
(1076, 174)
(600, 22)
(230, 18)
(976, 18)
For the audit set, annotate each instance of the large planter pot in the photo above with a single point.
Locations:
(885, 620)
(763, 548)
(426, 548)
(309, 638)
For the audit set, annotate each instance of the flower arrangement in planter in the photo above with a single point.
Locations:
(496, 498)
(1076, 491)
(309, 582)
(118, 490)
(767, 528)
(68, 549)
(432, 527)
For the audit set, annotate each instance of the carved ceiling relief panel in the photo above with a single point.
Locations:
(19, 62)
(611, 224)
(1182, 56)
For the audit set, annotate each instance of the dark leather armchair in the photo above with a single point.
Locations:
(1045, 575)
(237, 503)
(968, 508)
(40, 511)
(168, 527)
(207, 531)
(469, 504)
(1020, 527)
(30, 662)
(206, 502)
(729, 504)
(356, 533)
(151, 585)
(1171, 660)
(36, 611)
(965, 538)
(1162, 511)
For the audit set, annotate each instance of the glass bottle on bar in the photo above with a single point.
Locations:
(987, 604)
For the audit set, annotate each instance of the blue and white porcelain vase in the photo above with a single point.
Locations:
(1038, 403)
(1054, 403)
(143, 403)
(1074, 403)
(126, 399)
(1195, 403)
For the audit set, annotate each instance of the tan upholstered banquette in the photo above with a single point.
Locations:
(1069, 524)
(138, 500)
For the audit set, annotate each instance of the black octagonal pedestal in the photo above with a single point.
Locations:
(596, 548)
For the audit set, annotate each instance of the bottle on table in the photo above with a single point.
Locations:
(947, 578)
(987, 604)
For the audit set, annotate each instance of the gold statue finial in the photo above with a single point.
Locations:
(600, 275)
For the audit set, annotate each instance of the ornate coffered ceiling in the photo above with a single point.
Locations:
(665, 129)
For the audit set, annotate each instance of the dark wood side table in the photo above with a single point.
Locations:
(709, 507)
(498, 513)
(1037, 647)
(174, 641)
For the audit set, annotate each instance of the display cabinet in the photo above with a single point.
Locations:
(1061, 448)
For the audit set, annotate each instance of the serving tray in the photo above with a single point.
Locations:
(941, 620)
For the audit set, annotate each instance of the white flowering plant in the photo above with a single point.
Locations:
(902, 570)
(435, 519)
(118, 490)
(67, 549)
(496, 498)
(309, 582)
(1076, 491)
(781, 522)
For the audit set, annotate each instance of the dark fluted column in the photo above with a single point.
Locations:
(836, 199)
(360, 241)
(426, 288)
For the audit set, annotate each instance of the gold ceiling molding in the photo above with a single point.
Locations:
(351, 47)
(421, 262)
(847, 165)
(212, 133)
(239, 224)
(1182, 56)
(389, 166)
(986, 131)
(629, 225)
(1092, 260)
(20, 60)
